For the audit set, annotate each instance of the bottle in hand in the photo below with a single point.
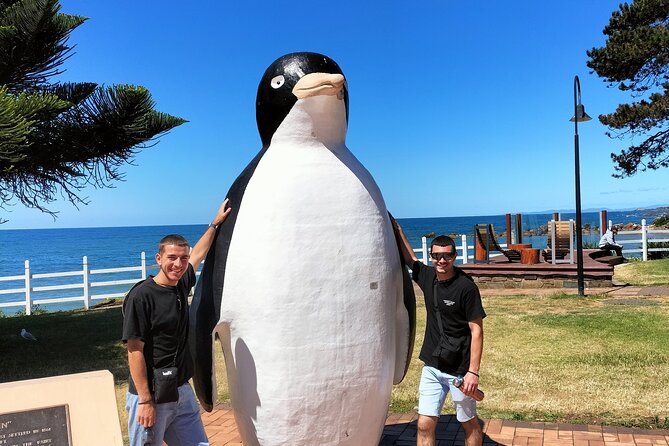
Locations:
(147, 436)
(478, 393)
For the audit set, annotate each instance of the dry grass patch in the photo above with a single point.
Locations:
(651, 273)
(576, 360)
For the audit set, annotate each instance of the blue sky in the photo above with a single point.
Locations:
(456, 108)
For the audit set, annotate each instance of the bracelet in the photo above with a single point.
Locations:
(212, 225)
(145, 402)
(473, 373)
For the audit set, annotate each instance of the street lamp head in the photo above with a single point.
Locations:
(581, 115)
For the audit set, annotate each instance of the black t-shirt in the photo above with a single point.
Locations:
(158, 316)
(459, 303)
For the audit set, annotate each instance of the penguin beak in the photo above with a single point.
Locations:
(316, 84)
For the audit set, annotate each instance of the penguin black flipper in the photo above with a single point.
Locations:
(205, 308)
(409, 304)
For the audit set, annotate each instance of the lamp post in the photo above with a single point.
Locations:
(579, 116)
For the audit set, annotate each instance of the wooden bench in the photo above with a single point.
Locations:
(487, 240)
(604, 256)
(611, 260)
(563, 240)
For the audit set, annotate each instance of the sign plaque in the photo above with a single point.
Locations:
(48, 426)
(63, 410)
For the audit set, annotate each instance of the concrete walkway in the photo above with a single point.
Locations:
(400, 430)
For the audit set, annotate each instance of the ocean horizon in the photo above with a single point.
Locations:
(62, 249)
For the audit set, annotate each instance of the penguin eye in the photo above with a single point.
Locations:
(277, 81)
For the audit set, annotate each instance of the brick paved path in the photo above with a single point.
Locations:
(400, 430)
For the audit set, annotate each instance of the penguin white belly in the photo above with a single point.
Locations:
(309, 301)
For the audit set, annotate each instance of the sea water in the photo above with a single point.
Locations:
(62, 250)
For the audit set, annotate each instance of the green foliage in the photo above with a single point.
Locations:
(590, 245)
(36, 309)
(661, 221)
(658, 254)
(636, 59)
(58, 138)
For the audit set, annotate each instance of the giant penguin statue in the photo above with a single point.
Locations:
(304, 285)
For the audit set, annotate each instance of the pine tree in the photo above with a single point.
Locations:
(636, 59)
(61, 137)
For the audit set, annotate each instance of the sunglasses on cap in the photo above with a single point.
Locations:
(442, 255)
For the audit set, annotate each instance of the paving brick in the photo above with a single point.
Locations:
(626, 438)
(580, 435)
(610, 437)
(493, 426)
(550, 435)
(535, 441)
(529, 432)
(650, 437)
(520, 441)
(558, 443)
(400, 430)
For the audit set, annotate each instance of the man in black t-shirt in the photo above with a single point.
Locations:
(461, 313)
(155, 329)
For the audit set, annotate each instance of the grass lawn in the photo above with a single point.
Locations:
(637, 273)
(549, 358)
(563, 358)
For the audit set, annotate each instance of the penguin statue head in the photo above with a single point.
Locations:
(301, 77)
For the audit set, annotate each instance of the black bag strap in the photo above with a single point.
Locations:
(181, 312)
(436, 306)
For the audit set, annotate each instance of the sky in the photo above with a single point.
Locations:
(456, 108)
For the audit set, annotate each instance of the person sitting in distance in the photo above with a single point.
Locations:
(608, 241)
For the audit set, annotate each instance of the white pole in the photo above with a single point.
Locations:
(553, 242)
(87, 293)
(571, 241)
(644, 240)
(423, 241)
(465, 254)
(28, 295)
(143, 264)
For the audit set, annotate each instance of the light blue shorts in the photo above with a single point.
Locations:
(433, 388)
(177, 423)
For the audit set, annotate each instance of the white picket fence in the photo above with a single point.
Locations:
(85, 277)
(84, 283)
(655, 236)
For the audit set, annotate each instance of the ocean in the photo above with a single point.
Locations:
(61, 250)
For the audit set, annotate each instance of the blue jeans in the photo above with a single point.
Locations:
(178, 423)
